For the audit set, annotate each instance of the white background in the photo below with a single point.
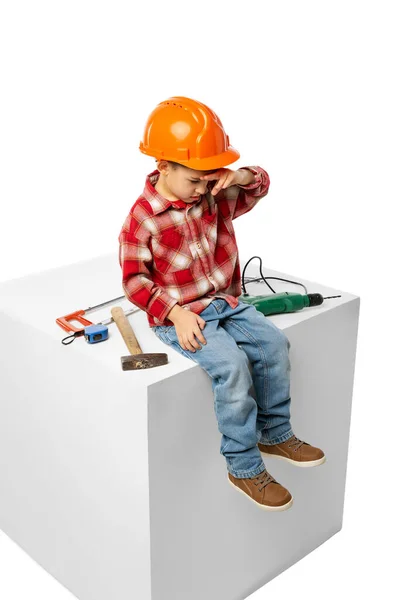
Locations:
(308, 90)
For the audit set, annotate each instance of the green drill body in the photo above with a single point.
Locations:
(280, 303)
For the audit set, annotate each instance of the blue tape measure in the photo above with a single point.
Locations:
(96, 333)
(92, 333)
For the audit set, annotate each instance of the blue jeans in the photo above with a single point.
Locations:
(243, 420)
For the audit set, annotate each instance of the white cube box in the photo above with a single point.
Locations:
(112, 480)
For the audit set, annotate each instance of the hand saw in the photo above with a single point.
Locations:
(64, 322)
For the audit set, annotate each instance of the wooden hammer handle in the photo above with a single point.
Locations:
(126, 330)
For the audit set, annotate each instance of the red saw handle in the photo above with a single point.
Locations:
(64, 322)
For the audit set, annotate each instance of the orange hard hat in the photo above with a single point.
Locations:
(187, 132)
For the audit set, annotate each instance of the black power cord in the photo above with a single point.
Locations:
(255, 279)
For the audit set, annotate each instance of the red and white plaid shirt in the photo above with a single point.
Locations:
(172, 252)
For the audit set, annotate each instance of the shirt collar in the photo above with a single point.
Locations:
(157, 202)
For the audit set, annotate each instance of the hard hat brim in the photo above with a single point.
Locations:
(200, 164)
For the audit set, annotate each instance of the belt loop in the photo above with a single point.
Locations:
(217, 305)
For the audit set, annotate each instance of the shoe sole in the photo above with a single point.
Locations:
(298, 463)
(263, 506)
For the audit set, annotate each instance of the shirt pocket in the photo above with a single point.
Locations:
(216, 231)
(171, 251)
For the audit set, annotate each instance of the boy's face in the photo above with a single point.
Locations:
(183, 183)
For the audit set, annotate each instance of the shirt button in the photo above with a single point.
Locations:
(198, 245)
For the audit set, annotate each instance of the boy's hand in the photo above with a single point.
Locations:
(187, 326)
(227, 177)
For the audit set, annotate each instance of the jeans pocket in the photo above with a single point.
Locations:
(161, 331)
(158, 330)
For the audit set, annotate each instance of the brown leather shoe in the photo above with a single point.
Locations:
(296, 452)
(263, 490)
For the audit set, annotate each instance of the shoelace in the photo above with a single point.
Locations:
(296, 443)
(263, 479)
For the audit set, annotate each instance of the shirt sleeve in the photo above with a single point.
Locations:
(242, 198)
(136, 259)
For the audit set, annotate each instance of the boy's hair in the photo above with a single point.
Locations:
(175, 165)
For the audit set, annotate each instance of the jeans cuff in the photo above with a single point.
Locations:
(278, 440)
(247, 474)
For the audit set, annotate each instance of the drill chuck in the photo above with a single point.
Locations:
(315, 299)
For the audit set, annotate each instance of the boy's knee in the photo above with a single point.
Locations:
(285, 340)
(279, 344)
(233, 360)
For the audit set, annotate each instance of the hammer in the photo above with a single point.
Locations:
(136, 360)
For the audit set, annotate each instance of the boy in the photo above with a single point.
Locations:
(180, 264)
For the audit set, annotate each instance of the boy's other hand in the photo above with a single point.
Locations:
(188, 325)
(227, 177)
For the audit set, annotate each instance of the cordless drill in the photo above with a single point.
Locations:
(285, 302)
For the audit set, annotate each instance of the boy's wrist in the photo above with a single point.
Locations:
(174, 312)
(247, 177)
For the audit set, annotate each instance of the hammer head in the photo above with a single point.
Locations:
(143, 361)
